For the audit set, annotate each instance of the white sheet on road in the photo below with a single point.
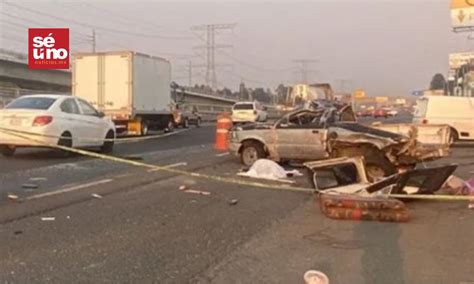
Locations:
(268, 169)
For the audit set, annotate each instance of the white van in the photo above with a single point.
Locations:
(249, 112)
(457, 112)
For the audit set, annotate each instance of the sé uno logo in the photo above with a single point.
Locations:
(48, 48)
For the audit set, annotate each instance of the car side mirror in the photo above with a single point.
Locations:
(101, 114)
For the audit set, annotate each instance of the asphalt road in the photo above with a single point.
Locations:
(144, 229)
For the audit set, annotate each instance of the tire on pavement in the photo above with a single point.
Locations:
(186, 123)
(144, 128)
(170, 126)
(198, 122)
(66, 141)
(108, 146)
(7, 150)
(251, 151)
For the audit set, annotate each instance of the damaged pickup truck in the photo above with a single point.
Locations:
(329, 129)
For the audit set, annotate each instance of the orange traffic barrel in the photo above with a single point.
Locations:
(224, 124)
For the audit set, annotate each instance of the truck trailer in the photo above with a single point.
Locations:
(131, 88)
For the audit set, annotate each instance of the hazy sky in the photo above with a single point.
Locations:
(385, 47)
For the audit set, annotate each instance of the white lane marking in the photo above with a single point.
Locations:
(222, 154)
(170, 166)
(69, 189)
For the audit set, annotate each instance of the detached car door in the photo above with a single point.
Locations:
(300, 137)
(96, 126)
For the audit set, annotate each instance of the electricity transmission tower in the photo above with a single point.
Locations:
(211, 47)
(303, 68)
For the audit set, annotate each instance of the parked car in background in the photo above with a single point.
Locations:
(457, 112)
(392, 112)
(380, 113)
(249, 112)
(330, 130)
(54, 120)
(187, 115)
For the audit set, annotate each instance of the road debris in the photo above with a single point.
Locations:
(315, 277)
(197, 192)
(48, 218)
(233, 201)
(19, 232)
(270, 170)
(95, 195)
(455, 186)
(182, 187)
(29, 185)
(351, 207)
(13, 197)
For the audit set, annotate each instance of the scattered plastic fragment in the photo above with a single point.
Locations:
(48, 218)
(197, 192)
(95, 195)
(13, 197)
(233, 202)
(18, 232)
(182, 187)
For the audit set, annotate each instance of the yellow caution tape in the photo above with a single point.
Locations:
(92, 139)
(227, 179)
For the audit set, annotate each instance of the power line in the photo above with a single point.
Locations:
(69, 21)
(304, 68)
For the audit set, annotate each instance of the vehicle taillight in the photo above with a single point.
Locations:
(254, 112)
(424, 121)
(42, 120)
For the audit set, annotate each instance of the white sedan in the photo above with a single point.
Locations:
(45, 120)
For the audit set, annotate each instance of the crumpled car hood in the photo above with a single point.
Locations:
(252, 126)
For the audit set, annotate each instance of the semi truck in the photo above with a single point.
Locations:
(132, 88)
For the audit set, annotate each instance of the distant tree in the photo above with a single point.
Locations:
(260, 95)
(438, 82)
(243, 92)
(281, 93)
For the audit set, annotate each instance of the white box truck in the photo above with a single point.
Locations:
(457, 112)
(130, 87)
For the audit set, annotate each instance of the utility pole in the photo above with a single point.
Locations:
(303, 68)
(211, 47)
(93, 40)
(190, 74)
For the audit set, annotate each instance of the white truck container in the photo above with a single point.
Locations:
(130, 87)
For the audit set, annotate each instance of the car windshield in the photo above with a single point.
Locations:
(40, 103)
(243, 107)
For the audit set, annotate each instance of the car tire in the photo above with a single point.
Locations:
(144, 128)
(7, 151)
(377, 165)
(186, 123)
(453, 135)
(66, 141)
(108, 146)
(198, 122)
(251, 151)
(170, 127)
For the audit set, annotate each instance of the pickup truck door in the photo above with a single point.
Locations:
(300, 142)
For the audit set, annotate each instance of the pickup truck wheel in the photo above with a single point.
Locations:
(7, 151)
(251, 152)
(186, 123)
(377, 166)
